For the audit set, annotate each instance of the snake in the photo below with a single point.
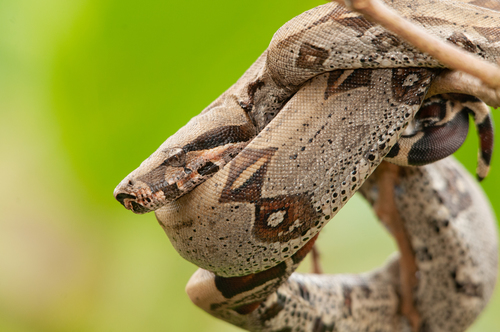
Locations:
(245, 187)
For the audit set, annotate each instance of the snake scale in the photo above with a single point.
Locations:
(243, 189)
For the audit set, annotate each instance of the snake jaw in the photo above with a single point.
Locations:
(132, 205)
(140, 200)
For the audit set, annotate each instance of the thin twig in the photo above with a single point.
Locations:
(387, 211)
(448, 54)
(316, 265)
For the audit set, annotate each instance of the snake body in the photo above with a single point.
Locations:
(245, 187)
(457, 272)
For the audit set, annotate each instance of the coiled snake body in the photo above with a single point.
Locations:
(278, 154)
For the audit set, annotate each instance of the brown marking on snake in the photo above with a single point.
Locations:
(385, 41)
(492, 34)
(311, 57)
(467, 288)
(303, 291)
(295, 215)
(334, 15)
(347, 293)
(280, 218)
(431, 21)
(319, 326)
(460, 97)
(462, 41)
(156, 181)
(274, 309)
(242, 186)
(221, 136)
(410, 94)
(251, 90)
(302, 252)
(422, 254)
(230, 287)
(432, 111)
(156, 178)
(285, 329)
(208, 169)
(366, 290)
(247, 308)
(359, 24)
(332, 82)
(486, 137)
(425, 327)
(490, 4)
(357, 79)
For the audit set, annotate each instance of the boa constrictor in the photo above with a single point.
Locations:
(279, 153)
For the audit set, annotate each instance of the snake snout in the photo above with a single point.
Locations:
(122, 197)
(130, 203)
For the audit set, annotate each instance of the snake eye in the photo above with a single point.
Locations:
(176, 158)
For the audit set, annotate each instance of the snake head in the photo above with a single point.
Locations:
(155, 182)
(169, 174)
(186, 159)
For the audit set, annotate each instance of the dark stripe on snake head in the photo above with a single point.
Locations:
(208, 169)
(157, 182)
(220, 136)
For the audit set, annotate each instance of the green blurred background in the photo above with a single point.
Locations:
(88, 89)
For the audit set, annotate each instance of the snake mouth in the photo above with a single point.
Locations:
(130, 203)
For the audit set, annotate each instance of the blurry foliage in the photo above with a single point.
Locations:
(88, 89)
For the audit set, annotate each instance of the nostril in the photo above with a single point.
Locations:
(121, 198)
(130, 183)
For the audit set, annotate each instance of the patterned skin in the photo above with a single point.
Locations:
(245, 187)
